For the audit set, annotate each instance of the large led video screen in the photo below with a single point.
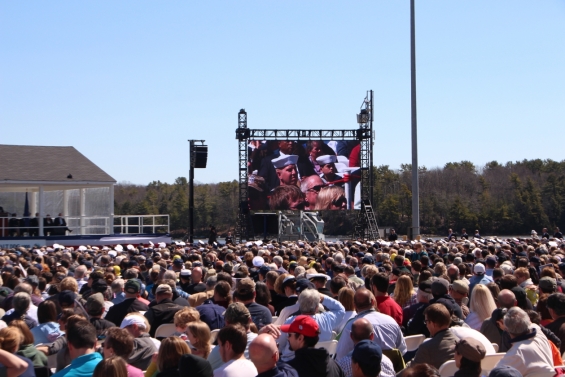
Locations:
(304, 175)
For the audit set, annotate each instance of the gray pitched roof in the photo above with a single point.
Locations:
(38, 163)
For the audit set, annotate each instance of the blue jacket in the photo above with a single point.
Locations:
(82, 366)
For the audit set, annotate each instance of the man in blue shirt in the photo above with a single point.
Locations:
(81, 338)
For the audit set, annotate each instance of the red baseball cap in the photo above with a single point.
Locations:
(303, 324)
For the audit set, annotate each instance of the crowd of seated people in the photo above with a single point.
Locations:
(463, 308)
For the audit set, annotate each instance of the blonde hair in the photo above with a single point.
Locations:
(201, 332)
(403, 291)
(186, 315)
(482, 302)
(327, 195)
(10, 339)
(170, 352)
(345, 297)
(69, 284)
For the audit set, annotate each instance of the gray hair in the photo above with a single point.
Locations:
(385, 256)
(131, 273)
(211, 281)
(278, 260)
(23, 287)
(21, 302)
(170, 274)
(299, 270)
(424, 296)
(516, 321)
(308, 301)
(80, 271)
(118, 284)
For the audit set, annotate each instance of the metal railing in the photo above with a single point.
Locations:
(86, 225)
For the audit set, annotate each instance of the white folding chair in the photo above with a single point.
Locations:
(165, 330)
(448, 369)
(490, 361)
(495, 346)
(330, 346)
(214, 335)
(414, 341)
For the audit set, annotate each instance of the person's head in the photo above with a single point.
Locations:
(286, 146)
(27, 336)
(81, 338)
(170, 352)
(287, 198)
(327, 165)
(245, 290)
(380, 283)
(331, 198)
(47, 312)
(310, 187)
(482, 302)
(459, 289)
(556, 305)
(112, 366)
(118, 342)
(196, 275)
(308, 301)
(366, 359)
(132, 288)
(363, 299)
(163, 292)
(516, 322)
(232, 341)
(136, 324)
(403, 290)
(21, 302)
(285, 167)
(68, 284)
(264, 353)
(184, 316)
(10, 339)
(361, 329)
(437, 318)
(522, 274)
(506, 299)
(345, 297)
(303, 332)
(468, 355)
(238, 314)
(421, 370)
(199, 335)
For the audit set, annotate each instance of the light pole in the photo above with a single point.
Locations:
(415, 183)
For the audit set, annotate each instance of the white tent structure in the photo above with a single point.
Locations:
(56, 180)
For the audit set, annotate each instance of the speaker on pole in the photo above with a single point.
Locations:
(200, 156)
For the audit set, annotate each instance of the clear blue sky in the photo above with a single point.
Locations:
(128, 82)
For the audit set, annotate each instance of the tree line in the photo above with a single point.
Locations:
(496, 199)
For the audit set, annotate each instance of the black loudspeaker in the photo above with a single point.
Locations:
(200, 156)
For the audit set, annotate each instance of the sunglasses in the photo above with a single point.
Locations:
(340, 201)
(316, 188)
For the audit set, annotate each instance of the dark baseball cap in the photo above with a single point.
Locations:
(367, 353)
(99, 285)
(368, 260)
(426, 286)
(440, 287)
(303, 284)
(132, 286)
(67, 298)
(264, 269)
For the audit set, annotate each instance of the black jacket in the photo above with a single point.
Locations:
(282, 369)
(163, 312)
(315, 362)
(117, 313)
(101, 325)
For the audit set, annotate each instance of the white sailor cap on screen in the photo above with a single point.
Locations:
(282, 161)
(327, 159)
